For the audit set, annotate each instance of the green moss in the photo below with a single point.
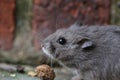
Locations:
(23, 15)
(115, 12)
(23, 9)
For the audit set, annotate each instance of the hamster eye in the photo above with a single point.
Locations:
(61, 41)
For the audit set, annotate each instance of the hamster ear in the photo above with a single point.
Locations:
(85, 43)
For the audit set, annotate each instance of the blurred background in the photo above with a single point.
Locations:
(25, 23)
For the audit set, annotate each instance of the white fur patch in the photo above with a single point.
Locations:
(47, 52)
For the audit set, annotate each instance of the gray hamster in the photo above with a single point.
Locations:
(93, 51)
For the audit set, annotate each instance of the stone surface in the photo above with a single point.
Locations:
(49, 15)
(61, 74)
(15, 76)
(7, 23)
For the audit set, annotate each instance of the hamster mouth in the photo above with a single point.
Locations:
(63, 61)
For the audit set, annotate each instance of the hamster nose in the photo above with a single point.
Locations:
(42, 45)
(45, 45)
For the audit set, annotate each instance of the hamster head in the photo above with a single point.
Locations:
(65, 44)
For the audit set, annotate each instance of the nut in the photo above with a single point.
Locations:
(45, 72)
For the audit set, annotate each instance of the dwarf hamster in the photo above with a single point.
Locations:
(94, 51)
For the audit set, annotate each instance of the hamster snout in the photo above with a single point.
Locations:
(45, 45)
(47, 48)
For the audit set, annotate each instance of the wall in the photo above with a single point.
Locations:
(23, 50)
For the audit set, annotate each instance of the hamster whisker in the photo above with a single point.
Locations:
(51, 62)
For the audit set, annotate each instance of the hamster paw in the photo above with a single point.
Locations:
(77, 78)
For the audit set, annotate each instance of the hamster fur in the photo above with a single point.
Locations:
(94, 51)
